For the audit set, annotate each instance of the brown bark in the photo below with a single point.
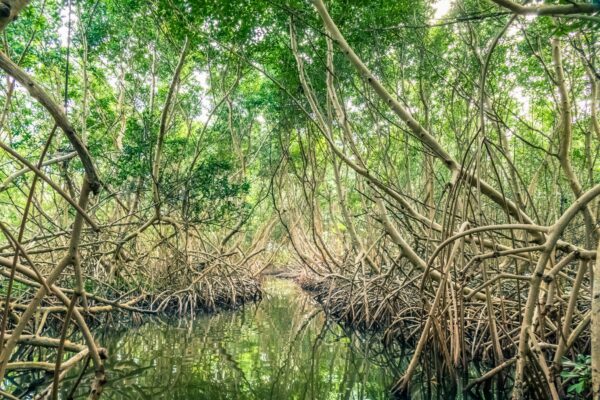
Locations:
(9, 11)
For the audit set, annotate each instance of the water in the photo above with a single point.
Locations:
(281, 348)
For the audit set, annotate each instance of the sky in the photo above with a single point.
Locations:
(441, 8)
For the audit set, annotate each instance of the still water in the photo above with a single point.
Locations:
(280, 348)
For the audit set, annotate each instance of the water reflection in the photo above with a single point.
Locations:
(281, 348)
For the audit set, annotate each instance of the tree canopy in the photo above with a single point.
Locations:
(423, 173)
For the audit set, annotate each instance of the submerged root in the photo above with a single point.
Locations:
(209, 295)
(366, 305)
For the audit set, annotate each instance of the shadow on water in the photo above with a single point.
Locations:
(281, 348)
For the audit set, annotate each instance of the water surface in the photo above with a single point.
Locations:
(280, 348)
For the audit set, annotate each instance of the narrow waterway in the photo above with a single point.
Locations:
(280, 348)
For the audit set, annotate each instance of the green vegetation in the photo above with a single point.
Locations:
(577, 375)
(432, 178)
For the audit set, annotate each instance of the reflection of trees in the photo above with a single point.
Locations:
(278, 349)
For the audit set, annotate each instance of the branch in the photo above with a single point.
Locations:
(566, 9)
(163, 127)
(422, 134)
(57, 113)
(9, 10)
(4, 185)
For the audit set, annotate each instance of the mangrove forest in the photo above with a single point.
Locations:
(300, 199)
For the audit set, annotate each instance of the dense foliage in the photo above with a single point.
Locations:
(434, 179)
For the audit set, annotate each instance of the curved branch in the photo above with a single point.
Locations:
(9, 10)
(566, 9)
(57, 113)
(422, 134)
